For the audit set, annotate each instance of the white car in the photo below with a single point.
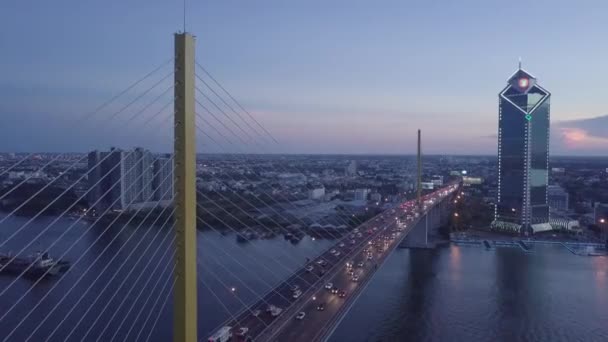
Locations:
(242, 331)
(333, 251)
(337, 254)
(329, 286)
(355, 278)
(300, 316)
(297, 294)
(257, 312)
(341, 244)
(309, 268)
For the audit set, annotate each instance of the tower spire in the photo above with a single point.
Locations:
(519, 63)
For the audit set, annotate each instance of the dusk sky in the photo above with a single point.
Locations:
(321, 76)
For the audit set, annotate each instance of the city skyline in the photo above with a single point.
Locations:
(332, 80)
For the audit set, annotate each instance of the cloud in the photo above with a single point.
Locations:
(582, 136)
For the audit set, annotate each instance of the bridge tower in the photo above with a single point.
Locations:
(185, 292)
(419, 173)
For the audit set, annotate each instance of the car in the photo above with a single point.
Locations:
(342, 294)
(359, 235)
(375, 228)
(341, 244)
(309, 268)
(370, 257)
(300, 316)
(334, 290)
(242, 331)
(297, 294)
(337, 254)
(321, 307)
(320, 262)
(329, 286)
(256, 312)
(350, 272)
(294, 287)
(355, 278)
(349, 264)
(360, 264)
(352, 242)
(333, 251)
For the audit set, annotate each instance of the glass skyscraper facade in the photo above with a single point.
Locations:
(523, 155)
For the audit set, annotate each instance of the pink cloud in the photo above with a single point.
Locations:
(579, 138)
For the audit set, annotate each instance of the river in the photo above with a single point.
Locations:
(450, 294)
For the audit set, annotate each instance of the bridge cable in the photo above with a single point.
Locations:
(113, 257)
(97, 110)
(73, 244)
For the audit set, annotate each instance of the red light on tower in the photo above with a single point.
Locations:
(523, 83)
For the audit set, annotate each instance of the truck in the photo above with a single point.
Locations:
(222, 335)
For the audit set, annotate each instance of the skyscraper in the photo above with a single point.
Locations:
(120, 179)
(523, 155)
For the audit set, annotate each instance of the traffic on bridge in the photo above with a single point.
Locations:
(312, 301)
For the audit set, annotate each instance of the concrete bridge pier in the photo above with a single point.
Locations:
(426, 232)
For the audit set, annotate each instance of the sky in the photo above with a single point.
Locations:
(321, 76)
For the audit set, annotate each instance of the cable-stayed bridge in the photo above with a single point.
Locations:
(116, 230)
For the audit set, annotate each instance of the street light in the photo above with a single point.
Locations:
(233, 289)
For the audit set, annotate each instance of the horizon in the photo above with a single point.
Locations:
(317, 154)
(323, 78)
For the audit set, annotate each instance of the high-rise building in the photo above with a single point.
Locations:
(162, 183)
(558, 198)
(523, 155)
(351, 168)
(118, 179)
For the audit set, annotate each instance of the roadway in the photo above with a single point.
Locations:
(370, 244)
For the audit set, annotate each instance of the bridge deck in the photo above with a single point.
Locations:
(377, 237)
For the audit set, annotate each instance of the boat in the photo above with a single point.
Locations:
(37, 265)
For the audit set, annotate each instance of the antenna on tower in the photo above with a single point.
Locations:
(519, 58)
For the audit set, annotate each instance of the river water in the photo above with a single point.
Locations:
(121, 276)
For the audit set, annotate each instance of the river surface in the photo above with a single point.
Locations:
(120, 279)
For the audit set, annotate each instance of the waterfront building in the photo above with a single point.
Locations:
(523, 155)
(558, 198)
(119, 179)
